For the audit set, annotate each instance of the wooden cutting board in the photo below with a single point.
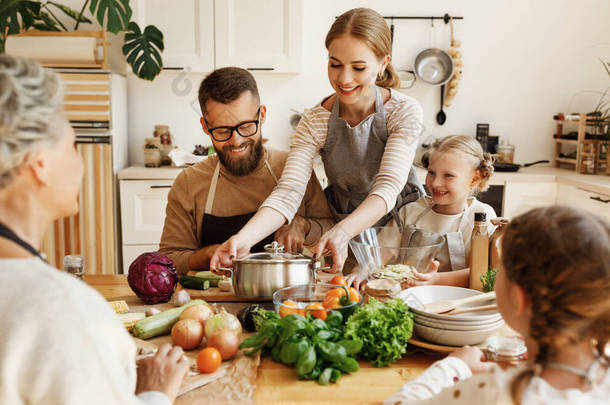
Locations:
(190, 382)
(214, 294)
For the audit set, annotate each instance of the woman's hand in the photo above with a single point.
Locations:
(474, 357)
(227, 252)
(292, 236)
(357, 278)
(430, 277)
(163, 372)
(334, 240)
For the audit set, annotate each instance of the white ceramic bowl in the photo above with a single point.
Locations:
(457, 322)
(453, 337)
(455, 326)
(418, 297)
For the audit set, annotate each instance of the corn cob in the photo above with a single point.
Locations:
(119, 307)
(130, 319)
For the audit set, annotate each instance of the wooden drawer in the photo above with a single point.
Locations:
(143, 205)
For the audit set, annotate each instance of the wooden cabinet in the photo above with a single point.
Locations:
(143, 205)
(259, 34)
(520, 197)
(582, 198)
(188, 31)
(201, 35)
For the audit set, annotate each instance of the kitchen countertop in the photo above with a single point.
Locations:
(277, 384)
(598, 183)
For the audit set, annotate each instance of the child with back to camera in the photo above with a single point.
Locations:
(457, 170)
(553, 289)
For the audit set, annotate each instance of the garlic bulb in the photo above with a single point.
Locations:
(180, 298)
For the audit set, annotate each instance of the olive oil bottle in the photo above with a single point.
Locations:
(479, 254)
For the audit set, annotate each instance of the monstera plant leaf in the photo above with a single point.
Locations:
(13, 10)
(116, 14)
(70, 12)
(16, 15)
(143, 50)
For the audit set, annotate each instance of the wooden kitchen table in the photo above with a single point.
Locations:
(278, 384)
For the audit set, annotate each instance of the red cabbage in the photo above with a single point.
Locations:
(152, 277)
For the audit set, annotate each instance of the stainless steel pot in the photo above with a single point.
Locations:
(433, 66)
(259, 275)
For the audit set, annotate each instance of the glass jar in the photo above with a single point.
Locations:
(587, 164)
(505, 152)
(73, 264)
(506, 350)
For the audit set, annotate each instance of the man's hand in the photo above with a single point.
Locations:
(292, 236)
(200, 259)
(163, 372)
(474, 357)
(335, 240)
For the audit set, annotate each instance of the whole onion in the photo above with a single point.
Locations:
(200, 312)
(226, 341)
(187, 333)
(222, 320)
(152, 277)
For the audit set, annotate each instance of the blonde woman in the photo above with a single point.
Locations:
(60, 343)
(366, 133)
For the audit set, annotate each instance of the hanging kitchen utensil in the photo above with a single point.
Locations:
(513, 167)
(441, 117)
(433, 66)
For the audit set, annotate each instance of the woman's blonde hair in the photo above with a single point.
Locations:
(560, 257)
(368, 26)
(466, 145)
(31, 115)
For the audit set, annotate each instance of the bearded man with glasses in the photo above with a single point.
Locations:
(214, 199)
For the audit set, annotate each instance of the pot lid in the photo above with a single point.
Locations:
(274, 253)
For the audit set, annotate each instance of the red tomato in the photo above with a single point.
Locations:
(338, 280)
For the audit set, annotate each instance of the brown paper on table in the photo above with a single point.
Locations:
(235, 379)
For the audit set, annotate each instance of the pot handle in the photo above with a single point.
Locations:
(227, 270)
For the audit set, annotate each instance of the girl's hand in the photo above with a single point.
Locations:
(334, 240)
(430, 277)
(227, 252)
(474, 357)
(357, 278)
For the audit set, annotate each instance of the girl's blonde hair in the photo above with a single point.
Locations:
(560, 257)
(31, 117)
(467, 145)
(368, 26)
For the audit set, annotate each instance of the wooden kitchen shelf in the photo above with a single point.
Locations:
(590, 153)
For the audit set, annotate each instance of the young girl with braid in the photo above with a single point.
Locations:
(554, 290)
(457, 170)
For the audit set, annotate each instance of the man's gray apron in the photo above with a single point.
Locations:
(352, 157)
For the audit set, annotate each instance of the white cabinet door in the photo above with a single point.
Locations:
(520, 197)
(188, 31)
(259, 34)
(143, 205)
(587, 200)
(131, 252)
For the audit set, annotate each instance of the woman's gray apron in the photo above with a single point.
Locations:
(352, 157)
(452, 255)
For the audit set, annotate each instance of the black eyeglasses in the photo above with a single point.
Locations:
(244, 129)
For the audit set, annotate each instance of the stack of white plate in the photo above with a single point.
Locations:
(453, 330)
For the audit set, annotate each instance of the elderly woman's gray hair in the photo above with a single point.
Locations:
(31, 116)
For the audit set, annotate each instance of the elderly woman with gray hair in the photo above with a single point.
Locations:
(60, 342)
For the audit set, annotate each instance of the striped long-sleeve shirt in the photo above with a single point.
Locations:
(404, 118)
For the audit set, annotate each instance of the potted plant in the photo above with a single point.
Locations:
(142, 49)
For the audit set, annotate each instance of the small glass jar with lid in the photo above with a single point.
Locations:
(505, 152)
(73, 264)
(506, 350)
